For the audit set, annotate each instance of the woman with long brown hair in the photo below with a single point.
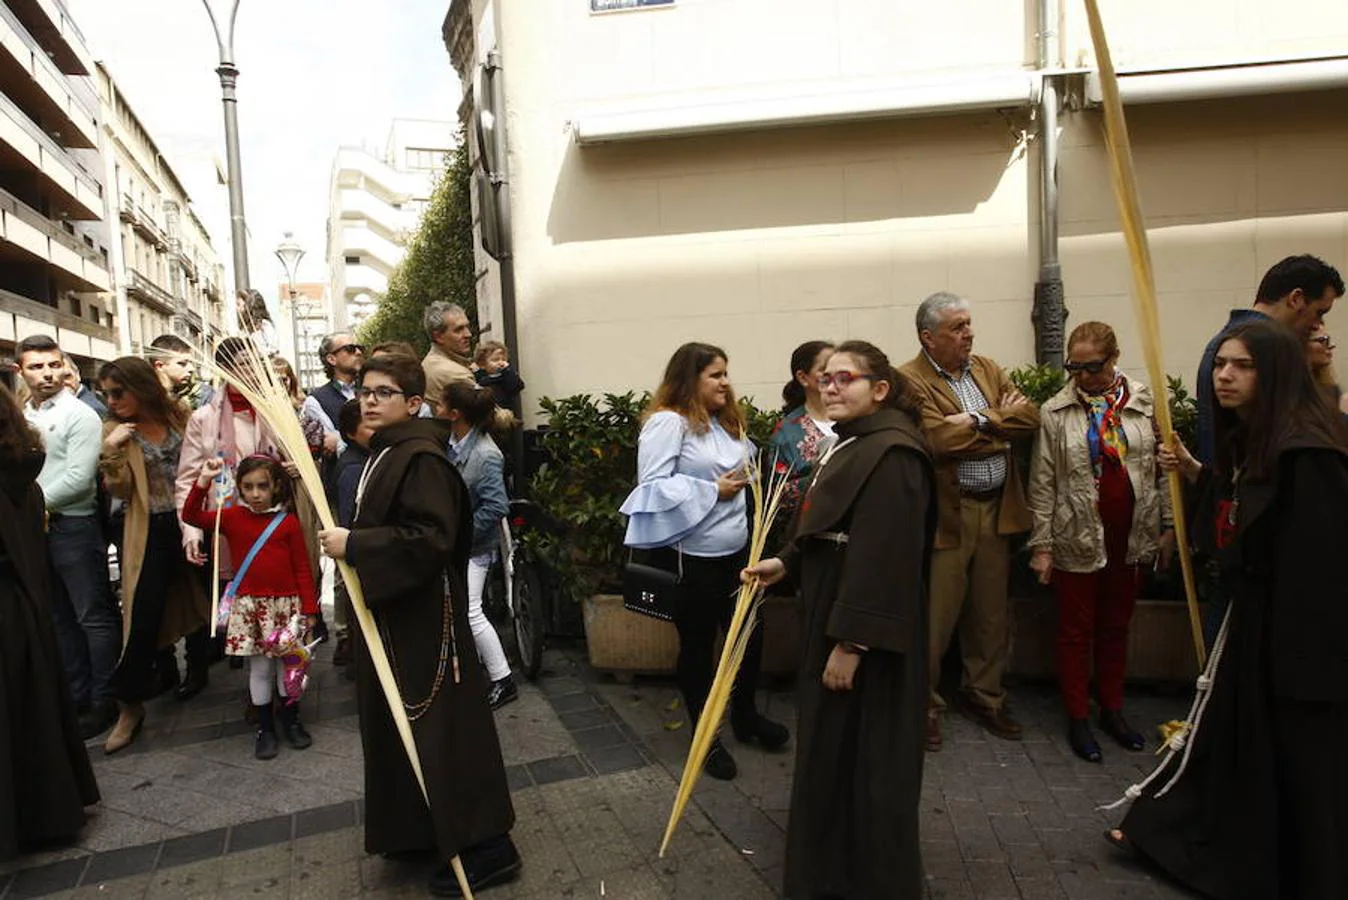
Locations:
(162, 600)
(860, 551)
(45, 778)
(689, 507)
(1250, 802)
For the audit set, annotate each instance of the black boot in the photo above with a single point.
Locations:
(265, 747)
(194, 683)
(1116, 726)
(293, 728)
(502, 692)
(485, 865)
(1083, 741)
(749, 726)
(720, 764)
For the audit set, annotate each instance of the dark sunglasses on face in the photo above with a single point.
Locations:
(841, 379)
(1094, 367)
(351, 348)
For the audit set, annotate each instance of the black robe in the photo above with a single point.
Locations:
(413, 529)
(854, 800)
(45, 776)
(1261, 809)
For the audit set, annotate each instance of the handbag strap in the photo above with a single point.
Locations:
(253, 551)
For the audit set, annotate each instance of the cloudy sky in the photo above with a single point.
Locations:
(315, 75)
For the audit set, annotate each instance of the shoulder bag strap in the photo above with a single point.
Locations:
(253, 551)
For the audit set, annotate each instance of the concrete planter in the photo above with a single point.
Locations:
(1160, 645)
(626, 643)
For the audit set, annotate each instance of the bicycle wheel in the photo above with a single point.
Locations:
(530, 617)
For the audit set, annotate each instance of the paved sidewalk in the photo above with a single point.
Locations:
(593, 765)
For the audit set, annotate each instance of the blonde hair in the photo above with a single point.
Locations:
(486, 349)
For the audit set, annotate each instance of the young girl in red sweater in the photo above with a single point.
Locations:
(275, 588)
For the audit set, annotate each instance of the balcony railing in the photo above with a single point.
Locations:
(16, 207)
(78, 87)
(44, 140)
(148, 290)
(127, 210)
(41, 312)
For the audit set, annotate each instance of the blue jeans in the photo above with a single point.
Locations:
(88, 624)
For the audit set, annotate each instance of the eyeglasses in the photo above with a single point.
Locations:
(380, 394)
(1094, 367)
(842, 379)
(351, 348)
(1323, 339)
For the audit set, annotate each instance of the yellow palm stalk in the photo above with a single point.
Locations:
(767, 501)
(1144, 291)
(257, 381)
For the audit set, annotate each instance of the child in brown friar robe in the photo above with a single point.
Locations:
(409, 544)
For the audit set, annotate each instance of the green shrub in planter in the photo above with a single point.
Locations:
(591, 449)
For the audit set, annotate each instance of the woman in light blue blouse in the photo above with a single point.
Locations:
(691, 473)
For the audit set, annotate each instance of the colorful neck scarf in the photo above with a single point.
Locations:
(1104, 431)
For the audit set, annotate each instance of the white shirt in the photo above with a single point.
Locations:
(73, 436)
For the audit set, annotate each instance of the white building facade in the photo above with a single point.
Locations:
(54, 245)
(758, 173)
(167, 275)
(375, 204)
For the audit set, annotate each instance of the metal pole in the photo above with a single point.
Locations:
(1050, 311)
(229, 76)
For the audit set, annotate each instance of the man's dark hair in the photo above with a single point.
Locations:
(37, 343)
(348, 419)
(386, 347)
(168, 343)
(1310, 273)
(404, 370)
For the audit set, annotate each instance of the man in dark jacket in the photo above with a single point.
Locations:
(409, 544)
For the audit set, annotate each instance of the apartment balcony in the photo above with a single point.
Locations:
(185, 262)
(28, 236)
(70, 188)
(355, 204)
(362, 279)
(150, 293)
(22, 316)
(373, 247)
(63, 104)
(56, 32)
(190, 320)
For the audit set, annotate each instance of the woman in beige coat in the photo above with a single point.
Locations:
(1098, 508)
(161, 599)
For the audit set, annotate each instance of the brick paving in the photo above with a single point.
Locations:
(593, 764)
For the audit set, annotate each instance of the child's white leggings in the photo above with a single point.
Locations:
(263, 672)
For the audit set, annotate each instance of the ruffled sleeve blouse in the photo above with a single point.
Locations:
(675, 501)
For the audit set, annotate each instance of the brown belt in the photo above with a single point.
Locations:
(982, 496)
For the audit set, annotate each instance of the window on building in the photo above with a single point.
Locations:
(76, 307)
(353, 260)
(425, 158)
(97, 315)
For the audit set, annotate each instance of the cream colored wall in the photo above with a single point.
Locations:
(758, 241)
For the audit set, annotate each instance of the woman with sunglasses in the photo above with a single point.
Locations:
(162, 599)
(860, 551)
(692, 468)
(1250, 805)
(1099, 512)
(1320, 351)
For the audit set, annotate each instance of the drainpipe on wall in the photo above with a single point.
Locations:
(1050, 310)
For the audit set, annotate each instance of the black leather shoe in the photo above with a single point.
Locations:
(320, 629)
(754, 727)
(1113, 724)
(720, 764)
(485, 865)
(502, 692)
(193, 684)
(341, 656)
(1083, 741)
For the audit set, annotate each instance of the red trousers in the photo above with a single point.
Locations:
(1094, 608)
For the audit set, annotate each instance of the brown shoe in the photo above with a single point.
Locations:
(933, 732)
(994, 721)
(131, 716)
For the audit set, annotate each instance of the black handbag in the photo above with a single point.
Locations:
(651, 581)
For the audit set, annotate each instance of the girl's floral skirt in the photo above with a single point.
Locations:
(253, 619)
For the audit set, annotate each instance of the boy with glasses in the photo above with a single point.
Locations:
(409, 543)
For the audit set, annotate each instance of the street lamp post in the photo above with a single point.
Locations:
(229, 76)
(289, 252)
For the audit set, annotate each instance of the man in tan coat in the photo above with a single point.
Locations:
(451, 341)
(971, 413)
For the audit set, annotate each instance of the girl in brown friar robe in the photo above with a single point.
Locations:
(860, 550)
(45, 777)
(409, 543)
